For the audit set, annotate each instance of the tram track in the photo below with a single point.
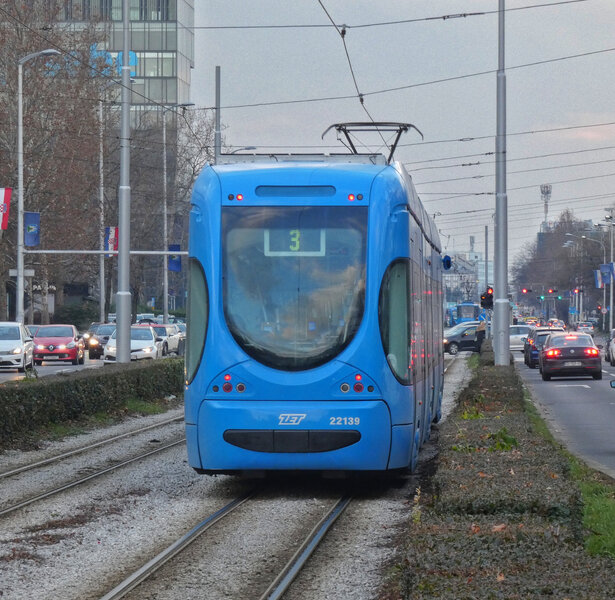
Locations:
(279, 584)
(92, 475)
(86, 448)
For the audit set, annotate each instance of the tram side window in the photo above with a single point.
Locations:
(394, 319)
(198, 315)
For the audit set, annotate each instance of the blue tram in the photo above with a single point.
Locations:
(314, 316)
(462, 313)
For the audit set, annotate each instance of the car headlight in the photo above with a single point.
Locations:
(93, 342)
(40, 347)
(17, 350)
(445, 340)
(110, 348)
(70, 345)
(149, 349)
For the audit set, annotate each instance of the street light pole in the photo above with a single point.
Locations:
(19, 299)
(501, 337)
(165, 229)
(584, 237)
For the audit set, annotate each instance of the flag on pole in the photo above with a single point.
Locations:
(32, 228)
(598, 278)
(111, 239)
(175, 260)
(5, 205)
(605, 272)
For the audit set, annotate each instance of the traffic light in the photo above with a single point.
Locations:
(486, 298)
(525, 290)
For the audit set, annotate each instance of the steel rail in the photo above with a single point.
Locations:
(54, 491)
(57, 457)
(283, 581)
(155, 563)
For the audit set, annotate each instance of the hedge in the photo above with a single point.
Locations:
(29, 404)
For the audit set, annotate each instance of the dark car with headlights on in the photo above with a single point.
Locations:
(461, 337)
(98, 336)
(569, 355)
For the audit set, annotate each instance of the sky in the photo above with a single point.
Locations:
(286, 76)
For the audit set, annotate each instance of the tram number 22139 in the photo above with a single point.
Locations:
(344, 420)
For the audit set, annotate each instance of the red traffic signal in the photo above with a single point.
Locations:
(490, 290)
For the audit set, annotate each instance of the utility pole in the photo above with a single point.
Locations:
(123, 297)
(501, 331)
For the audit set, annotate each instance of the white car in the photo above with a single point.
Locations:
(16, 346)
(518, 333)
(585, 327)
(144, 345)
(170, 334)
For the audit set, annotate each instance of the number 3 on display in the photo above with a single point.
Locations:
(294, 239)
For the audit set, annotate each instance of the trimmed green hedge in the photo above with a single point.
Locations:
(29, 404)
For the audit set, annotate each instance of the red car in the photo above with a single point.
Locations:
(58, 343)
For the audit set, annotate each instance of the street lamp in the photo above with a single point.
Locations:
(165, 232)
(19, 300)
(584, 237)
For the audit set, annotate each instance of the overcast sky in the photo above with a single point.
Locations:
(283, 86)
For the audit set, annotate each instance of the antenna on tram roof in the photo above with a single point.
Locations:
(348, 128)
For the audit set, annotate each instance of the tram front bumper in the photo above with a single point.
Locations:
(276, 435)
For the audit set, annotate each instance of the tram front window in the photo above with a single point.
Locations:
(294, 281)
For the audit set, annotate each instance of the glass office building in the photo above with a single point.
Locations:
(162, 43)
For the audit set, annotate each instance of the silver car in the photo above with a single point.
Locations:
(518, 333)
(16, 346)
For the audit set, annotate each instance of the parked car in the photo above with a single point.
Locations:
(461, 337)
(585, 327)
(569, 355)
(97, 339)
(533, 343)
(16, 346)
(144, 345)
(58, 343)
(171, 335)
(31, 330)
(517, 335)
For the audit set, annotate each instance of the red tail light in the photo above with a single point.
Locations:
(553, 352)
(592, 351)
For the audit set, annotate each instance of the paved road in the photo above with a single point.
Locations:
(50, 368)
(580, 411)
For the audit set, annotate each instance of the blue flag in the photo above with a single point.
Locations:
(175, 260)
(605, 274)
(32, 228)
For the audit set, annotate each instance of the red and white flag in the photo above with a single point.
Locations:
(5, 205)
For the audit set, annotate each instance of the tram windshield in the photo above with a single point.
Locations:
(294, 281)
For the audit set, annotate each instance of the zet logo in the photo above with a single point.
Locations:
(288, 419)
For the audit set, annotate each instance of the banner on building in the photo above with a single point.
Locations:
(5, 205)
(32, 228)
(175, 260)
(111, 239)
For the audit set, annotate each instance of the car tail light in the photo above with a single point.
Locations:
(553, 353)
(592, 351)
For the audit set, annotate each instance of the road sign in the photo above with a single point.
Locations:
(604, 311)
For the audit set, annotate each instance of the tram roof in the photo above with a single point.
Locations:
(277, 158)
